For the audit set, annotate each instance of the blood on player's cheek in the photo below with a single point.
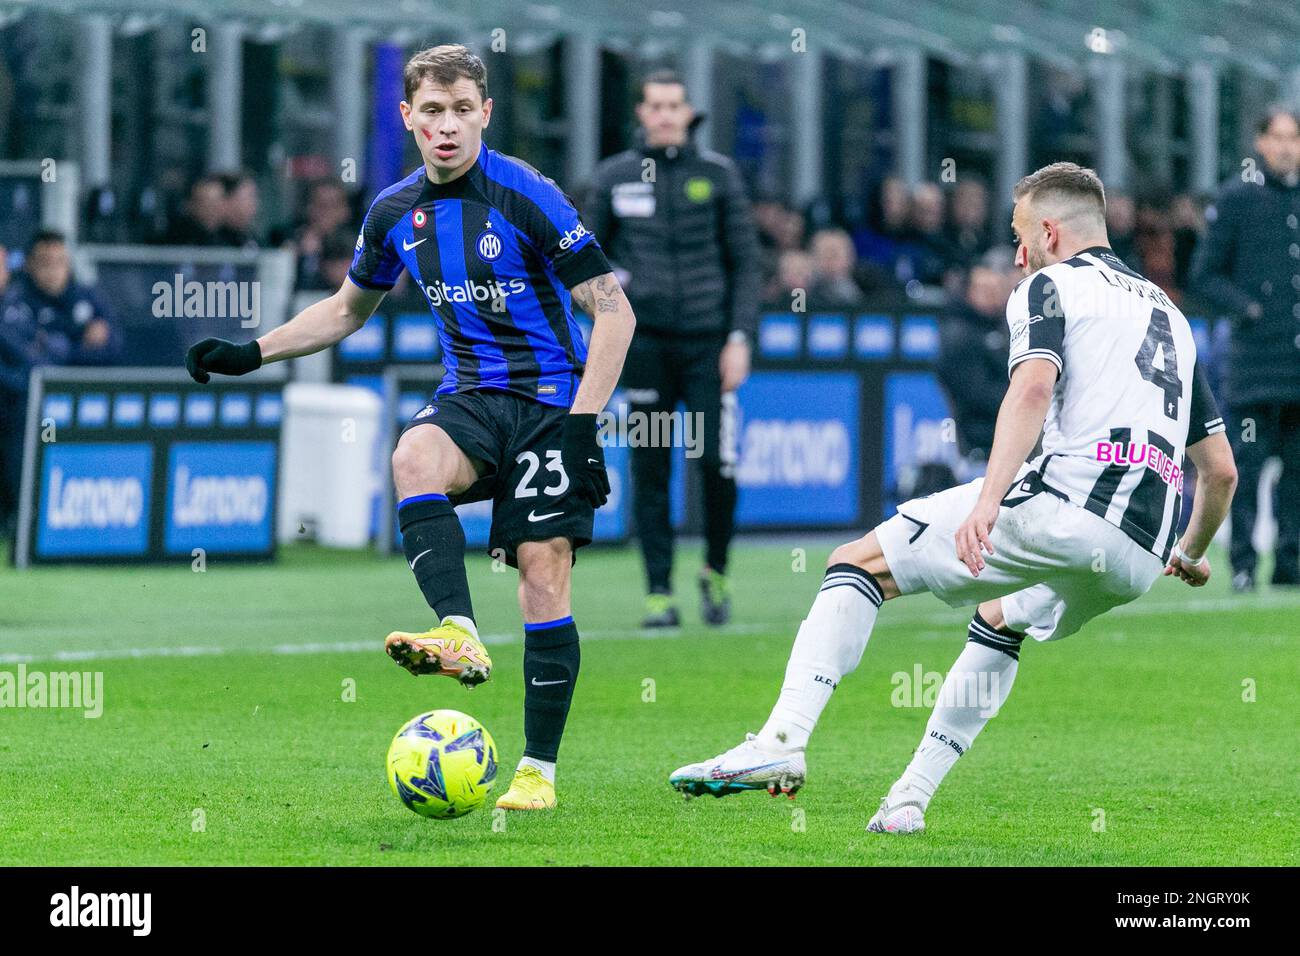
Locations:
(428, 133)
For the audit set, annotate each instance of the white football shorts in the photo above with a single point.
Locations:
(1055, 565)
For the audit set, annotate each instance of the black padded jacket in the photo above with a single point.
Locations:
(677, 222)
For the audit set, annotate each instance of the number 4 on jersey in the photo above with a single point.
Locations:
(1161, 337)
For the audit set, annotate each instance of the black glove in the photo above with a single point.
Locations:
(225, 358)
(584, 460)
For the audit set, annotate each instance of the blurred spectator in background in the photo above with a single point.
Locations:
(969, 232)
(973, 351)
(335, 258)
(794, 271)
(46, 318)
(328, 209)
(1187, 216)
(780, 229)
(242, 202)
(791, 228)
(65, 322)
(1121, 224)
(172, 195)
(1248, 265)
(833, 259)
(1153, 245)
(884, 238)
(932, 255)
(203, 221)
(101, 218)
(768, 213)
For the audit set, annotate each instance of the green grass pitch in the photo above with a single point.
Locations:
(226, 739)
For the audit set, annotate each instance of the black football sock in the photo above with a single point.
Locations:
(434, 543)
(550, 670)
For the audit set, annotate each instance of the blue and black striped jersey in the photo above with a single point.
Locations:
(495, 252)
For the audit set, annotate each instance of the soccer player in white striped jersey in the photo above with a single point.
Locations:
(1103, 367)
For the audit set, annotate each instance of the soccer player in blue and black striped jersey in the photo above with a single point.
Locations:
(500, 254)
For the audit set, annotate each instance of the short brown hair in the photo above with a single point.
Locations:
(1271, 113)
(664, 76)
(1064, 180)
(444, 65)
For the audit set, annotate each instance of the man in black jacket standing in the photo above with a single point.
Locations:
(1248, 265)
(675, 222)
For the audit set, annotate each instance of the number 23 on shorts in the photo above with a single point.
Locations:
(552, 481)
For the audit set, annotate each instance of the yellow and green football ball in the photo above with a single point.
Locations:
(442, 764)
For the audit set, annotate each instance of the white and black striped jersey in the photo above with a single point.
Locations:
(1130, 395)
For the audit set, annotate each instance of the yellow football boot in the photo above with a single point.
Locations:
(528, 791)
(448, 650)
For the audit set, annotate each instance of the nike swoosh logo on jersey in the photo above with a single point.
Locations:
(592, 461)
(534, 516)
(547, 683)
(417, 558)
(408, 248)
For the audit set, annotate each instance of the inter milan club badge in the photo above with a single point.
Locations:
(489, 246)
(418, 219)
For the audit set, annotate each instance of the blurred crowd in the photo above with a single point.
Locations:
(225, 210)
(919, 245)
(901, 245)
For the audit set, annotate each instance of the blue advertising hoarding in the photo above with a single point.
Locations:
(918, 429)
(799, 449)
(220, 496)
(95, 500)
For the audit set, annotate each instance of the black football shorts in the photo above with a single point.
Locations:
(517, 443)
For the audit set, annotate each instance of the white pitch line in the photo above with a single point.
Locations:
(923, 626)
(1252, 602)
(327, 647)
(110, 653)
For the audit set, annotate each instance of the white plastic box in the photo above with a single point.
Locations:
(328, 476)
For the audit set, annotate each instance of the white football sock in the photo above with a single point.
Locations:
(461, 621)
(547, 767)
(974, 690)
(828, 647)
